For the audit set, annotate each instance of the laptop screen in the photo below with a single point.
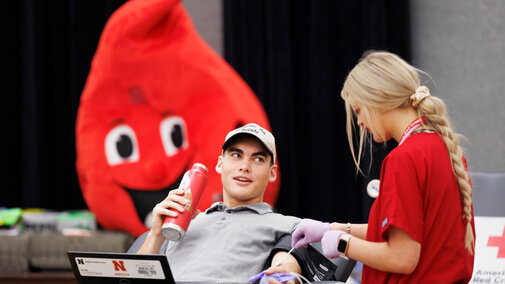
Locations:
(104, 267)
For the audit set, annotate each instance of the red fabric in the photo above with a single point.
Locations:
(151, 66)
(419, 194)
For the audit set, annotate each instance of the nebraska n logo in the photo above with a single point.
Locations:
(119, 265)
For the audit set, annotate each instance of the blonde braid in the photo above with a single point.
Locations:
(434, 110)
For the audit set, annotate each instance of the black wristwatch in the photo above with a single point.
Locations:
(343, 244)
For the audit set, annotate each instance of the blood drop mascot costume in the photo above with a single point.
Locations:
(157, 100)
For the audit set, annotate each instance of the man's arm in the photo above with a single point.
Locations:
(287, 262)
(282, 262)
(152, 243)
(154, 240)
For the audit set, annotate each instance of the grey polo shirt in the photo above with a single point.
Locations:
(228, 244)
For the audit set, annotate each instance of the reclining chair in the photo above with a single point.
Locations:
(342, 272)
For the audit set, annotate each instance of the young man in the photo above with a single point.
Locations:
(233, 239)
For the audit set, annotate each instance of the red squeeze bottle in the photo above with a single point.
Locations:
(193, 183)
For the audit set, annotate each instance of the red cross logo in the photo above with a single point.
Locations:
(498, 241)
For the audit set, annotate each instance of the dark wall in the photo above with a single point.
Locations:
(294, 55)
(47, 54)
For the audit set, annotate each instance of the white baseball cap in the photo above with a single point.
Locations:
(257, 131)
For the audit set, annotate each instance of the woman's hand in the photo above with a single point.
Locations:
(329, 243)
(308, 231)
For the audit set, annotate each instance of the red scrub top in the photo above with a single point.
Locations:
(419, 194)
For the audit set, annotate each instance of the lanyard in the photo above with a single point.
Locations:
(411, 128)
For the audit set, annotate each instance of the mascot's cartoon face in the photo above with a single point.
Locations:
(157, 100)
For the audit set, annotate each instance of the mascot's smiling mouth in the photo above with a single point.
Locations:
(145, 200)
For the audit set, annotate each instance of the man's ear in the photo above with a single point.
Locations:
(219, 164)
(273, 173)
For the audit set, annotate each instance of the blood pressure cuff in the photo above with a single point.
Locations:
(315, 266)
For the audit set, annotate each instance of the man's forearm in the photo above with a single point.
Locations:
(288, 262)
(152, 243)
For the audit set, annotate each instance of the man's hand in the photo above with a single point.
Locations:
(282, 262)
(278, 269)
(154, 240)
(308, 231)
(175, 200)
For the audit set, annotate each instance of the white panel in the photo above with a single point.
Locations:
(461, 44)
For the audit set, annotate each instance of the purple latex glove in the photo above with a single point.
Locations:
(329, 242)
(308, 231)
(281, 277)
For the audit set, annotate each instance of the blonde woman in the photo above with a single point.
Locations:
(420, 228)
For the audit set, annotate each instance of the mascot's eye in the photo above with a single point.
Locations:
(173, 134)
(124, 146)
(121, 145)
